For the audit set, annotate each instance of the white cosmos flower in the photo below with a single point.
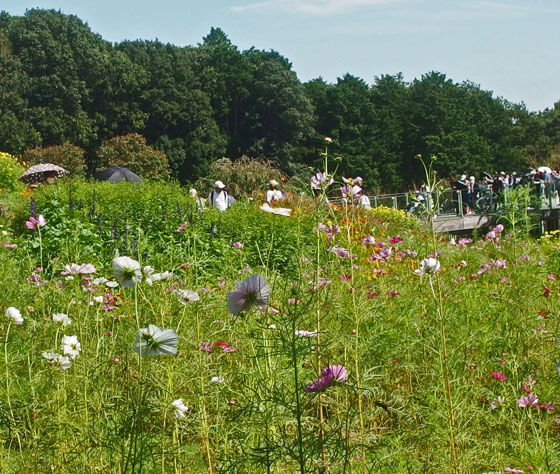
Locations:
(157, 277)
(99, 281)
(155, 341)
(58, 361)
(217, 379)
(180, 408)
(127, 270)
(112, 284)
(61, 318)
(187, 296)
(98, 299)
(303, 333)
(254, 290)
(14, 314)
(428, 266)
(70, 346)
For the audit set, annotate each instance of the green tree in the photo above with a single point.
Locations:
(179, 118)
(277, 115)
(16, 132)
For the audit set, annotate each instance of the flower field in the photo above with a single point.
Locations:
(143, 335)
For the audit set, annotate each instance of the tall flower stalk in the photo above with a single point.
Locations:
(437, 294)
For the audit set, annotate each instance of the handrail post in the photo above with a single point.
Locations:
(460, 203)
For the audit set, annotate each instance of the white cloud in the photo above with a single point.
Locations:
(315, 7)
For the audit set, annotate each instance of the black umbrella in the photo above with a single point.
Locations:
(38, 173)
(114, 174)
(459, 186)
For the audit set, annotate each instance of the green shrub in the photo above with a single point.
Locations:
(67, 156)
(132, 152)
(10, 170)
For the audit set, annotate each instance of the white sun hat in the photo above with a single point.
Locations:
(219, 184)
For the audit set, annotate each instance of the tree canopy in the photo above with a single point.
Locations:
(61, 84)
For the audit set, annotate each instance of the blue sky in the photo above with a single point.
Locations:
(510, 47)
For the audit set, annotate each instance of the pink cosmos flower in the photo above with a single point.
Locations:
(238, 245)
(78, 269)
(395, 240)
(497, 402)
(9, 246)
(393, 293)
(513, 469)
(182, 227)
(368, 240)
(530, 400)
(328, 140)
(33, 223)
(499, 376)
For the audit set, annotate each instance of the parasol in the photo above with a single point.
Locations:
(114, 174)
(544, 169)
(37, 173)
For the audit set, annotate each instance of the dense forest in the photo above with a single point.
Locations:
(63, 85)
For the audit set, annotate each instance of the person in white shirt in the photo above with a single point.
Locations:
(273, 193)
(219, 197)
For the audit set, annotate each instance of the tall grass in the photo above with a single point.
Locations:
(427, 357)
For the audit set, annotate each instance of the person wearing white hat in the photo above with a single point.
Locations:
(219, 197)
(273, 193)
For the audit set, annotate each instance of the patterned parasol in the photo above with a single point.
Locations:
(37, 173)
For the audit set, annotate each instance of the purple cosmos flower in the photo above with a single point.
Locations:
(33, 223)
(353, 192)
(238, 245)
(253, 291)
(330, 375)
(368, 240)
(321, 180)
(395, 240)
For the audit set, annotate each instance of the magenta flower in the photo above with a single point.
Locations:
(499, 376)
(238, 245)
(330, 375)
(530, 400)
(253, 291)
(547, 406)
(368, 240)
(33, 223)
(395, 240)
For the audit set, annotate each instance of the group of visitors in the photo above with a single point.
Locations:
(494, 185)
(222, 200)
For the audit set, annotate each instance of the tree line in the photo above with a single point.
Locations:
(62, 84)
